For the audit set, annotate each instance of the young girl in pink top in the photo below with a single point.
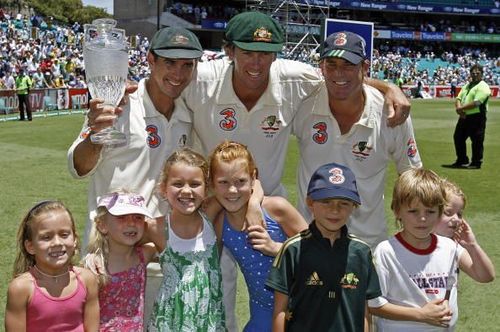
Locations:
(115, 256)
(48, 293)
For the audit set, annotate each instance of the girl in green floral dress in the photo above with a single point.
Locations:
(190, 298)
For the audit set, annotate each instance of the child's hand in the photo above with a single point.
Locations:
(464, 235)
(94, 263)
(260, 240)
(437, 312)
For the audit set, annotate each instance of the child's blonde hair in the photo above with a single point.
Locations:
(24, 260)
(418, 184)
(188, 157)
(96, 259)
(452, 188)
(228, 151)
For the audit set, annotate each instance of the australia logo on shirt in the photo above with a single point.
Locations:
(228, 122)
(270, 125)
(361, 150)
(412, 148)
(349, 280)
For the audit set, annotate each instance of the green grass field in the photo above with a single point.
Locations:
(33, 167)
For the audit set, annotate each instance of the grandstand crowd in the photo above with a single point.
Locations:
(51, 53)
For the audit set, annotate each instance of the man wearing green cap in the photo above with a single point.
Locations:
(253, 99)
(154, 127)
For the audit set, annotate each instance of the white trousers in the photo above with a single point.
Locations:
(154, 278)
(229, 278)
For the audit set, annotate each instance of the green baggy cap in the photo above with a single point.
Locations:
(176, 43)
(254, 31)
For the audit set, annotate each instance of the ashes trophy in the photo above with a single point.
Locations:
(106, 67)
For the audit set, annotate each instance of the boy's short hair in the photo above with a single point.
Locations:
(419, 184)
(333, 181)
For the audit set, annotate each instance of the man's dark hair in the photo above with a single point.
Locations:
(476, 67)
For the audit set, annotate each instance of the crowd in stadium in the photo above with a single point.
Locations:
(51, 54)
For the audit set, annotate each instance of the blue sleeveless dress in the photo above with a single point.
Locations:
(255, 267)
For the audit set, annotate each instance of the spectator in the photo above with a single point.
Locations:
(10, 81)
(23, 85)
(38, 79)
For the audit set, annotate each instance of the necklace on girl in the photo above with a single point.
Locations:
(54, 278)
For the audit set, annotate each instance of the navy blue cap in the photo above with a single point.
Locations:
(333, 181)
(346, 45)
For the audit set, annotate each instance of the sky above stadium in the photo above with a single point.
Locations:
(106, 4)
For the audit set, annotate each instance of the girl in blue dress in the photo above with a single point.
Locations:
(233, 173)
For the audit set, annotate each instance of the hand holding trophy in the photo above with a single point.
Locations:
(106, 67)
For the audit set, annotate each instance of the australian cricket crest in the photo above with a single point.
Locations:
(270, 126)
(361, 150)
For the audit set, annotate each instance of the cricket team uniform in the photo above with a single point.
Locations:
(219, 114)
(366, 149)
(412, 277)
(327, 286)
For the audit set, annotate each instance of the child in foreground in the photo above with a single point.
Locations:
(48, 293)
(417, 267)
(118, 261)
(233, 173)
(190, 297)
(323, 276)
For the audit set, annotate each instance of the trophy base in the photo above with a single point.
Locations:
(108, 136)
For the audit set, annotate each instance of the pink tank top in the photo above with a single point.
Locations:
(121, 300)
(47, 313)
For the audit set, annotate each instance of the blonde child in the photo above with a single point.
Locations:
(415, 266)
(48, 293)
(119, 261)
(452, 217)
(233, 173)
(190, 298)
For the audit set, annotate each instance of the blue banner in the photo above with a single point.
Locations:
(214, 24)
(401, 6)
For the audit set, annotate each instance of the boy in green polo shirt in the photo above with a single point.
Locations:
(323, 276)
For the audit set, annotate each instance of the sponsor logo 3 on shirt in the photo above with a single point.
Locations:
(153, 140)
(320, 135)
(228, 121)
(349, 280)
(314, 280)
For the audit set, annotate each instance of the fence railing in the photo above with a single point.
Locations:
(45, 99)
